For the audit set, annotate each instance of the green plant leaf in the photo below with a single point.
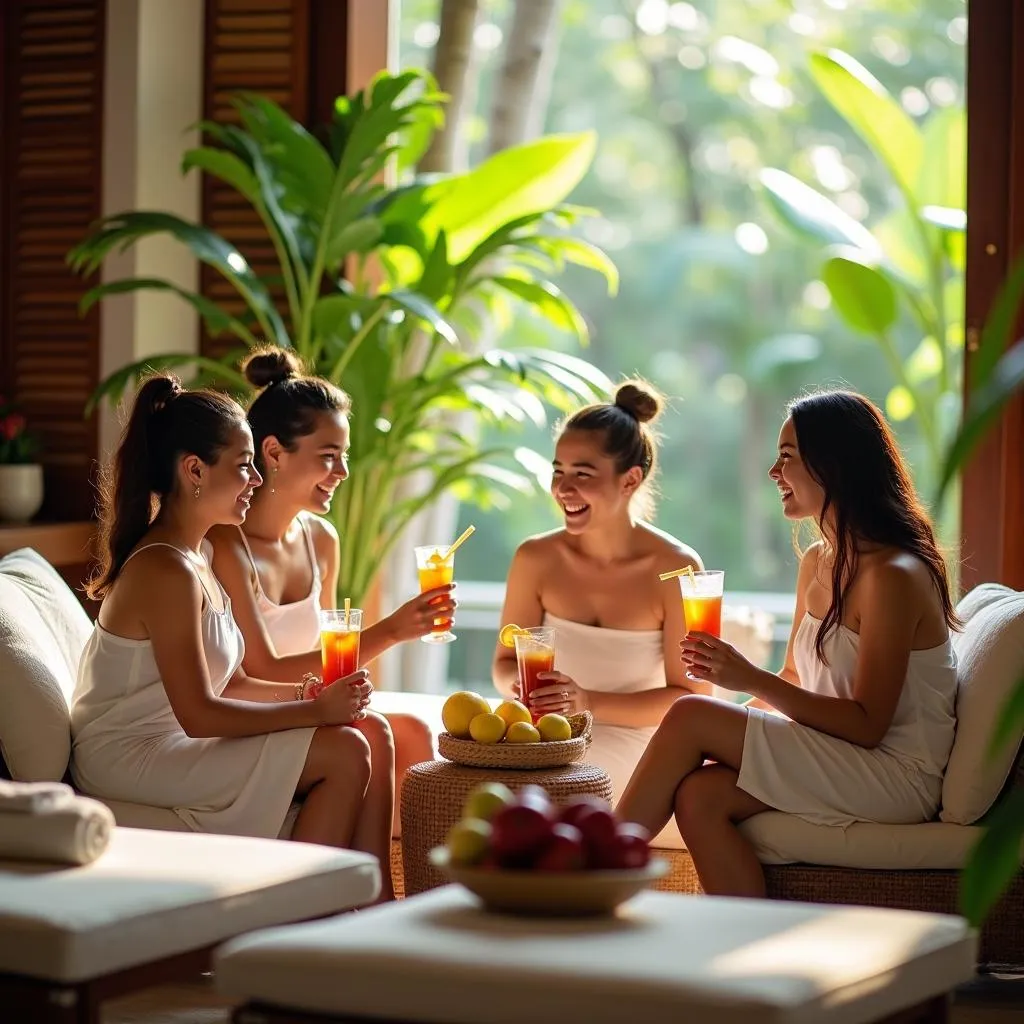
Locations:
(995, 860)
(357, 236)
(426, 311)
(225, 166)
(862, 295)
(114, 386)
(925, 361)
(217, 320)
(942, 177)
(870, 110)
(549, 302)
(574, 250)
(813, 215)
(520, 180)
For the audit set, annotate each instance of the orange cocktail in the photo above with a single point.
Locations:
(702, 600)
(339, 642)
(435, 570)
(535, 653)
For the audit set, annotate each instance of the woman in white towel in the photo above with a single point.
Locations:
(859, 723)
(163, 712)
(281, 565)
(595, 579)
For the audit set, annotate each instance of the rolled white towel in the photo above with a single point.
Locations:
(33, 797)
(76, 832)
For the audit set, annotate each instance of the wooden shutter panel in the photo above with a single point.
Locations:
(50, 180)
(257, 46)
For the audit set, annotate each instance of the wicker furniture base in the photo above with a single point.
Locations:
(433, 794)
(1001, 944)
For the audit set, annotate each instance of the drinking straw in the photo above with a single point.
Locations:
(685, 571)
(469, 530)
(348, 609)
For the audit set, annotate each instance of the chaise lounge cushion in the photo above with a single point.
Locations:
(990, 661)
(153, 895)
(43, 630)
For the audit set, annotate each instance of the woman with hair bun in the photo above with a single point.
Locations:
(595, 579)
(281, 566)
(164, 713)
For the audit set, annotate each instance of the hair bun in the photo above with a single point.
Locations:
(639, 399)
(157, 391)
(271, 366)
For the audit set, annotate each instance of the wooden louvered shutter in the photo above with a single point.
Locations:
(51, 127)
(257, 46)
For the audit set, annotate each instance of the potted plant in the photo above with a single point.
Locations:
(395, 293)
(21, 478)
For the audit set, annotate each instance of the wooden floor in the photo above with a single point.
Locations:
(199, 1004)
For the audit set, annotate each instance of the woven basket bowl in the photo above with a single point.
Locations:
(549, 754)
(562, 894)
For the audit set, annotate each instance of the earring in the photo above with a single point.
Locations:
(273, 473)
(195, 493)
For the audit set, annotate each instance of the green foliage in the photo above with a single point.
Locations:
(389, 292)
(910, 265)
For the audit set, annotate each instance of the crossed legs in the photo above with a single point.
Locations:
(672, 778)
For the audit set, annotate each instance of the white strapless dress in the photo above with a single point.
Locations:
(614, 661)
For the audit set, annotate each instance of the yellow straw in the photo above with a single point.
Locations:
(466, 534)
(348, 609)
(685, 571)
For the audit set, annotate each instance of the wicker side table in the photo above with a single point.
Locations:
(433, 794)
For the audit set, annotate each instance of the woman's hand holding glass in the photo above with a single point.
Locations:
(711, 659)
(416, 617)
(346, 700)
(560, 695)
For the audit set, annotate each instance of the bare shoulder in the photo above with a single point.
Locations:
(897, 575)
(540, 547)
(160, 575)
(225, 540)
(669, 552)
(810, 558)
(324, 534)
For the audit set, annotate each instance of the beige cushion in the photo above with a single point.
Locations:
(43, 630)
(785, 839)
(130, 815)
(990, 661)
(156, 894)
(662, 958)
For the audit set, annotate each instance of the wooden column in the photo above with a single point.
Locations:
(51, 124)
(993, 483)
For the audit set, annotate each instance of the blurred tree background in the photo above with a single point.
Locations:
(720, 305)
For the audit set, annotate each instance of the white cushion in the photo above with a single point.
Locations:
(438, 958)
(934, 845)
(156, 894)
(990, 661)
(130, 815)
(43, 630)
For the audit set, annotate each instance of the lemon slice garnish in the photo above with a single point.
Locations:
(508, 634)
(436, 559)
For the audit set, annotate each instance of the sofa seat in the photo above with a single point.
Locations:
(155, 895)
(129, 815)
(935, 845)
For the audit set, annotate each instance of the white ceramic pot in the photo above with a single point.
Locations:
(21, 492)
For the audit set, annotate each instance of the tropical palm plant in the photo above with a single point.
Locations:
(391, 292)
(911, 262)
(997, 376)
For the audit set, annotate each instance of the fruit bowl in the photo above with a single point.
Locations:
(545, 754)
(550, 894)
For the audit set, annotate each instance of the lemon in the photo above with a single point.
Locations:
(460, 709)
(488, 728)
(508, 634)
(512, 711)
(554, 727)
(468, 840)
(522, 732)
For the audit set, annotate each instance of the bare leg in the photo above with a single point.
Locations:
(708, 805)
(333, 782)
(373, 827)
(413, 743)
(695, 728)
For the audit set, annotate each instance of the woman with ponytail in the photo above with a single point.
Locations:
(281, 566)
(163, 712)
(595, 579)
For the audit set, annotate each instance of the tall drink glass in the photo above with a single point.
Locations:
(339, 642)
(702, 600)
(435, 570)
(535, 653)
